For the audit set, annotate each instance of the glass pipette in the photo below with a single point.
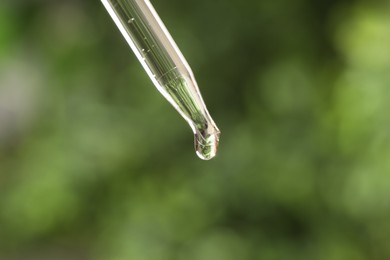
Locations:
(167, 68)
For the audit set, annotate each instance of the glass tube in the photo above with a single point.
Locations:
(167, 68)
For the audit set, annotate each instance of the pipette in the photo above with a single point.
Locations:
(167, 68)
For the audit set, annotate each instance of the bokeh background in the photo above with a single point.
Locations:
(95, 164)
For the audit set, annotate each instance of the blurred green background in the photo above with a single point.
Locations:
(95, 163)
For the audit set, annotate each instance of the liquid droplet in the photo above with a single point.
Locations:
(206, 143)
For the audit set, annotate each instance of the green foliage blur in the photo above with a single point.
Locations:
(95, 163)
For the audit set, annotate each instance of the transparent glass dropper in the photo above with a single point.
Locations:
(167, 68)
